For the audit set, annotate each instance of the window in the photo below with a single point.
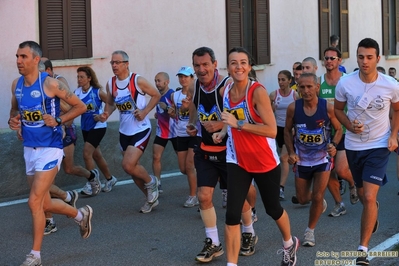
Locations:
(390, 27)
(333, 20)
(248, 26)
(65, 28)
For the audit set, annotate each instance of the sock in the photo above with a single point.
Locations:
(308, 229)
(50, 219)
(247, 218)
(288, 243)
(231, 264)
(363, 248)
(282, 187)
(35, 253)
(79, 216)
(68, 197)
(212, 233)
(152, 181)
(92, 175)
(248, 229)
(342, 204)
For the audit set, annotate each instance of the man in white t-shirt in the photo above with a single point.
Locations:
(370, 137)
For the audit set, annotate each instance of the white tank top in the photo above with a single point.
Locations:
(281, 103)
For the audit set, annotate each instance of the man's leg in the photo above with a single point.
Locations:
(320, 181)
(368, 197)
(284, 170)
(343, 171)
(69, 166)
(157, 151)
(333, 187)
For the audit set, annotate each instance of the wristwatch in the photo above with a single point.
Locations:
(58, 120)
(334, 144)
(240, 124)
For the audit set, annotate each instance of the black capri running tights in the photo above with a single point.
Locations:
(238, 182)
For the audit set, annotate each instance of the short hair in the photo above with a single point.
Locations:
(34, 47)
(123, 54)
(299, 67)
(392, 68)
(48, 64)
(369, 43)
(334, 38)
(166, 75)
(334, 49)
(311, 60)
(90, 74)
(203, 51)
(381, 69)
(307, 75)
(286, 73)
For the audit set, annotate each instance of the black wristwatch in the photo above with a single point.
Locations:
(334, 144)
(58, 120)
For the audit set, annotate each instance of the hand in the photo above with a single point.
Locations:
(49, 120)
(357, 126)
(171, 111)
(392, 144)
(103, 117)
(15, 122)
(212, 126)
(162, 105)
(19, 134)
(139, 114)
(293, 158)
(331, 150)
(218, 137)
(229, 119)
(185, 103)
(97, 117)
(191, 129)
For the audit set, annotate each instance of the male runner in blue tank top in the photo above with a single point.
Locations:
(35, 109)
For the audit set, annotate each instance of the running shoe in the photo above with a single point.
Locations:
(248, 243)
(31, 260)
(289, 254)
(209, 251)
(362, 260)
(281, 194)
(147, 207)
(224, 198)
(294, 200)
(95, 183)
(353, 196)
(74, 197)
(342, 186)
(338, 210)
(152, 190)
(85, 224)
(160, 188)
(191, 202)
(309, 240)
(109, 184)
(51, 227)
(86, 190)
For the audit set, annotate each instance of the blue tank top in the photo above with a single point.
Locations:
(94, 106)
(312, 134)
(33, 103)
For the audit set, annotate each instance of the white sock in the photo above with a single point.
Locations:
(363, 248)
(248, 229)
(79, 216)
(212, 233)
(35, 253)
(288, 243)
(308, 229)
(68, 197)
(231, 264)
(342, 204)
(50, 219)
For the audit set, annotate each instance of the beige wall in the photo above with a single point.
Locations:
(160, 35)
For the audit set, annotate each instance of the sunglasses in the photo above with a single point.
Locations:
(332, 58)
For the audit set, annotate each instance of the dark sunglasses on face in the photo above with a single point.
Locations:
(332, 58)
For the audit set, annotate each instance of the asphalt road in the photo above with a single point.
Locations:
(173, 235)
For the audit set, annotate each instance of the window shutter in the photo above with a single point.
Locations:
(262, 32)
(344, 28)
(385, 27)
(80, 29)
(324, 26)
(397, 24)
(52, 28)
(234, 24)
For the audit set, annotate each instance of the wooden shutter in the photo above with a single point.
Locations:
(262, 34)
(234, 23)
(65, 28)
(80, 29)
(344, 28)
(53, 38)
(324, 26)
(385, 27)
(397, 24)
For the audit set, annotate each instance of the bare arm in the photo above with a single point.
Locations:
(393, 141)
(331, 149)
(288, 138)
(341, 115)
(14, 120)
(149, 89)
